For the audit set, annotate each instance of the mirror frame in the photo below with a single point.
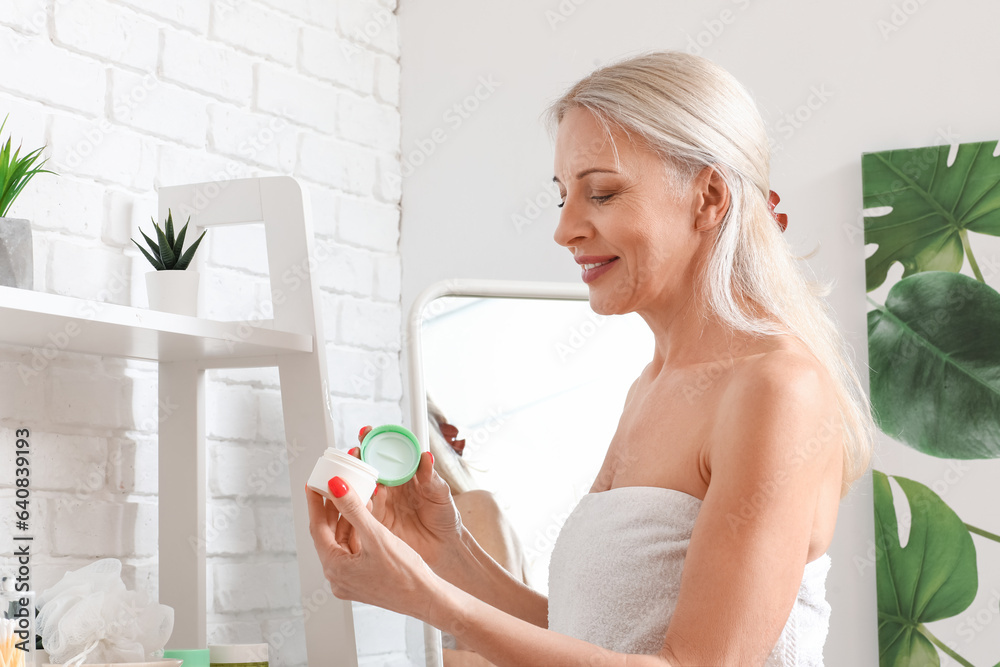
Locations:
(419, 423)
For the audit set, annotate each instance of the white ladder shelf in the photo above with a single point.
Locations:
(184, 347)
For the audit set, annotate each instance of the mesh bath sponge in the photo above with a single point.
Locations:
(90, 617)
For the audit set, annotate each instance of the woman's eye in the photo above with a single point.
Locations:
(601, 199)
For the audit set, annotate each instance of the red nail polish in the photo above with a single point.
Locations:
(364, 431)
(432, 457)
(375, 492)
(354, 451)
(338, 487)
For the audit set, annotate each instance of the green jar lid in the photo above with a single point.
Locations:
(195, 657)
(394, 451)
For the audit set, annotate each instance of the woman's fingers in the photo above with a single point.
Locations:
(343, 530)
(320, 526)
(378, 502)
(353, 541)
(351, 507)
(425, 469)
(363, 432)
(431, 484)
(345, 533)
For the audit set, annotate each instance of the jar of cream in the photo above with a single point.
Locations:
(394, 451)
(390, 455)
(359, 475)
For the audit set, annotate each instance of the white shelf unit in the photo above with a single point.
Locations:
(184, 347)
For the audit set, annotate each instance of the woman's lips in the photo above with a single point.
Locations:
(590, 275)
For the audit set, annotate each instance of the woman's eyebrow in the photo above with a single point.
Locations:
(555, 179)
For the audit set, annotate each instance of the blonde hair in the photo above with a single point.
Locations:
(693, 114)
(452, 468)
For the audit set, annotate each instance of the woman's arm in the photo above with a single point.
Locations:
(774, 449)
(459, 658)
(366, 562)
(487, 524)
(506, 641)
(475, 572)
(486, 521)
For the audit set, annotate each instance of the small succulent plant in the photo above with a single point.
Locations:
(16, 170)
(167, 253)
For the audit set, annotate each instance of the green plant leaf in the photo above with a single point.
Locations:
(185, 259)
(931, 203)
(180, 237)
(16, 171)
(934, 576)
(152, 260)
(934, 359)
(167, 255)
(170, 232)
(152, 244)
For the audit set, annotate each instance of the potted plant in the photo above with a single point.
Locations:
(16, 266)
(170, 287)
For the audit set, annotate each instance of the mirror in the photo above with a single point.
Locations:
(535, 382)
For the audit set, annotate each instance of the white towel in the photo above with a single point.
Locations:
(615, 573)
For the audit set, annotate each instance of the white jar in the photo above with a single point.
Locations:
(359, 475)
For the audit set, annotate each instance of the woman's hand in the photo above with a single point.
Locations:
(420, 512)
(362, 560)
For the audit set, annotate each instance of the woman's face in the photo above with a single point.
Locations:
(627, 217)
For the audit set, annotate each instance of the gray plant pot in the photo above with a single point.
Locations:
(16, 267)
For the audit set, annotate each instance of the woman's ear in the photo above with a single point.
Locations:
(711, 198)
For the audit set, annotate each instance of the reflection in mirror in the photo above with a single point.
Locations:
(535, 388)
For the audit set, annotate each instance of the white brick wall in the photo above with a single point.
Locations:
(107, 31)
(129, 95)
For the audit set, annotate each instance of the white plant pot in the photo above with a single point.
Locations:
(16, 268)
(173, 291)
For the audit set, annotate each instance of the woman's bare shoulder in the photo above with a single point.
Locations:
(786, 378)
(785, 360)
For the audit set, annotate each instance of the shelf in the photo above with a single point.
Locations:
(53, 321)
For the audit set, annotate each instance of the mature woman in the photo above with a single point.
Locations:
(703, 540)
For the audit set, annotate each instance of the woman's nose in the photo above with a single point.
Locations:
(573, 227)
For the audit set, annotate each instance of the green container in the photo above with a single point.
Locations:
(196, 657)
(394, 451)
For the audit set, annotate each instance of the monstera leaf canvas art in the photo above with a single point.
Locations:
(932, 233)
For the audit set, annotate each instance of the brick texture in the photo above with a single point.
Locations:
(130, 95)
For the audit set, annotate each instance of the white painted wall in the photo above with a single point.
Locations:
(860, 76)
(129, 95)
